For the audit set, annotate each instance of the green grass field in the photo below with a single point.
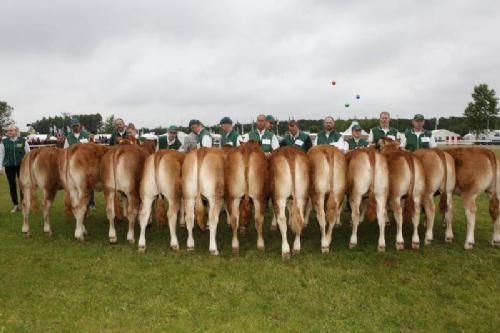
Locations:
(61, 285)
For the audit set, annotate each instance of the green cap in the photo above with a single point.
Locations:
(172, 129)
(270, 118)
(226, 120)
(194, 122)
(418, 116)
(356, 127)
(75, 121)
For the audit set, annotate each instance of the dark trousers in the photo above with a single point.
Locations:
(12, 172)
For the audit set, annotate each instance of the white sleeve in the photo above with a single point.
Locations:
(66, 144)
(370, 137)
(275, 144)
(402, 139)
(315, 142)
(245, 137)
(206, 141)
(26, 147)
(2, 154)
(238, 140)
(341, 144)
(432, 142)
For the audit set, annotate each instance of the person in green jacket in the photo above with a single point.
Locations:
(204, 137)
(417, 137)
(356, 141)
(77, 135)
(295, 137)
(329, 136)
(383, 131)
(268, 140)
(119, 133)
(170, 141)
(12, 150)
(229, 136)
(270, 122)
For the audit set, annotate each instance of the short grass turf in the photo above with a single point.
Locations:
(62, 285)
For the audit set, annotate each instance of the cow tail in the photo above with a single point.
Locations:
(443, 198)
(409, 209)
(245, 207)
(494, 209)
(68, 206)
(296, 222)
(159, 203)
(371, 208)
(199, 208)
(331, 205)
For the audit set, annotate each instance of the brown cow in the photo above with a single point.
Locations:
(40, 169)
(161, 177)
(407, 179)
(439, 169)
(79, 169)
(367, 174)
(289, 180)
(328, 183)
(203, 175)
(477, 171)
(246, 177)
(121, 172)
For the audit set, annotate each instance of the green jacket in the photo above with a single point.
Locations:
(163, 143)
(115, 135)
(322, 139)
(303, 141)
(359, 144)
(413, 143)
(72, 138)
(14, 151)
(204, 132)
(266, 141)
(230, 139)
(378, 134)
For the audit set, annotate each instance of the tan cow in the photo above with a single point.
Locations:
(407, 179)
(246, 177)
(40, 169)
(79, 169)
(203, 176)
(367, 175)
(328, 184)
(121, 173)
(477, 171)
(289, 181)
(439, 169)
(161, 177)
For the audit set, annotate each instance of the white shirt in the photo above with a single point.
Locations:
(206, 141)
(432, 142)
(2, 149)
(77, 136)
(385, 130)
(341, 144)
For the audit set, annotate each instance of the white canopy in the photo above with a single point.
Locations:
(348, 131)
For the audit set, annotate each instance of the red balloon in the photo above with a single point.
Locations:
(334, 83)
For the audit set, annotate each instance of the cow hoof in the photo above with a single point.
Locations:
(352, 245)
(400, 246)
(325, 249)
(236, 250)
(214, 253)
(448, 240)
(113, 240)
(415, 246)
(428, 242)
(131, 241)
(261, 248)
(174, 247)
(285, 256)
(81, 239)
(469, 246)
(190, 248)
(381, 248)
(48, 234)
(274, 227)
(295, 252)
(141, 249)
(26, 235)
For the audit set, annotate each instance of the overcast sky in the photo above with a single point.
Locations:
(165, 62)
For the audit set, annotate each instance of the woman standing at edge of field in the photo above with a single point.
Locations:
(12, 150)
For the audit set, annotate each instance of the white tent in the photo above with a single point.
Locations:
(348, 132)
(442, 135)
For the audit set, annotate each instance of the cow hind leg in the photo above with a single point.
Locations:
(398, 216)
(26, 211)
(319, 202)
(469, 202)
(189, 204)
(144, 214)
(234, 222)
(49, 196)
(381, 219)
(133, 203)
(80, 209)
(259, 222)
(355, 202)
(109, 195)
(297, 222)
(279, 210)
(448, 218)
(430, 214)
(173, 211)
(415, 239)
(213, 219)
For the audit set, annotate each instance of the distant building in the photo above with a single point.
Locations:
(443, 135)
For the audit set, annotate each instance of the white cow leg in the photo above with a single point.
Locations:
(234, 222)
(110, 214)
(398, 216)
(133, 204)
(144, 214)
(282, 223)
(319, 203)
(189, 207)
(495, 239)
(48, 199)
(415, 239)
(26, 212)
(299, 225)
(448, 218)
(173, 211)
(469, 202)
(213, 220)
(381, 219)
(430, 214)
(259, 222)
(355, 202)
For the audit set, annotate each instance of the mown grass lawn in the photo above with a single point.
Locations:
(61, 285)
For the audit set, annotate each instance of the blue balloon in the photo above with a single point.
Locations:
(358, 97)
